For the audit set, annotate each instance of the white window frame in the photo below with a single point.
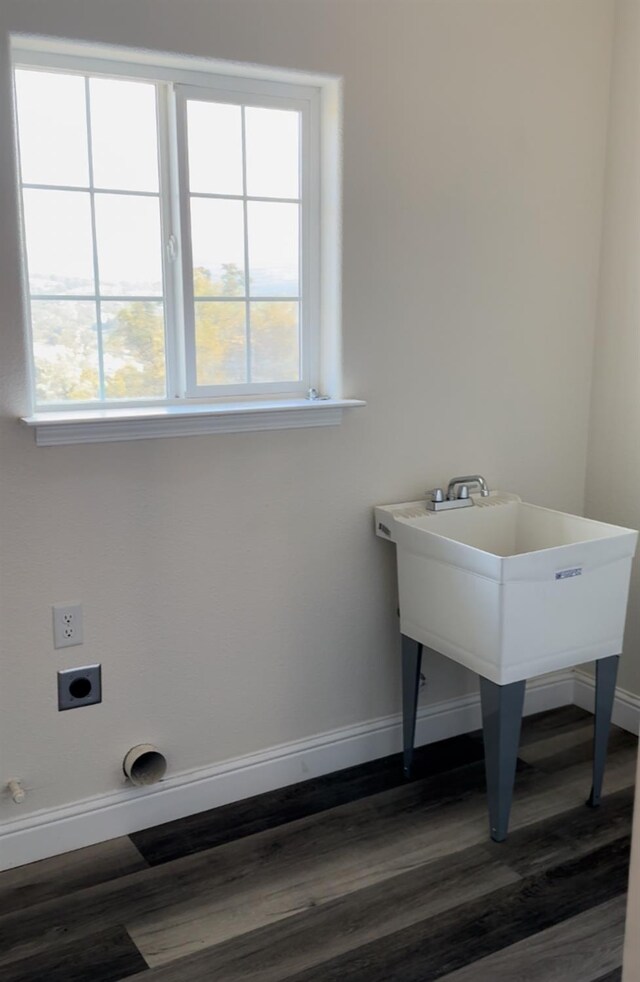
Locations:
(189, 408)
(271, 96)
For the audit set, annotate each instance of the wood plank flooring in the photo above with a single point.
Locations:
(358, 876)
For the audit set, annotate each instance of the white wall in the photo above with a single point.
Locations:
(232, 586)
(613, 473)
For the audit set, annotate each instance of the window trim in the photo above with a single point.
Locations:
(187, 419)
(241, 78)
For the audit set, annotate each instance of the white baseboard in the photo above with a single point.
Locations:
(626, 706)
(48, 833)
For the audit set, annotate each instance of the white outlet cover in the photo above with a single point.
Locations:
(67, 625)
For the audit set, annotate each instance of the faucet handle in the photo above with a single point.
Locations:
(436, 494)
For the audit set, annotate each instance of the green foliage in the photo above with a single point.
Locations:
(133, 339)
(274, 340)
(65, 347)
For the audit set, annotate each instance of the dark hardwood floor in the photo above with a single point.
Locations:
(359, 876)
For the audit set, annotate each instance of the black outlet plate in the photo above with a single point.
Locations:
(79, 687)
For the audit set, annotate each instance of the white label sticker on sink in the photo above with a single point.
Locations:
(564, 574)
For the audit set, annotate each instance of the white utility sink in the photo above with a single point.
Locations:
(509, 589)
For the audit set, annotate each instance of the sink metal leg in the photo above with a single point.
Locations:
(606, 675)
(501, 722)
(411, 661)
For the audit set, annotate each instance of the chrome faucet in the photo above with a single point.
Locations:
(466, 481)
(457, 493)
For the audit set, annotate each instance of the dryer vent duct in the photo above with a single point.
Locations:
(144, 765)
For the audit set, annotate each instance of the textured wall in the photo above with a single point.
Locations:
(613, 474)
(232, 586)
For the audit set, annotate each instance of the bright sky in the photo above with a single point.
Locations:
(52, 113)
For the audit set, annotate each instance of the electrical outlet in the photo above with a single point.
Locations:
(67, 625)
(79, 687)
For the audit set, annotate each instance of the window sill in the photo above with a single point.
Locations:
(108, 425)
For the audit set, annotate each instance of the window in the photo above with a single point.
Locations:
(173, 229)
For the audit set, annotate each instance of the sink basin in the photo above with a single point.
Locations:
(509, 589)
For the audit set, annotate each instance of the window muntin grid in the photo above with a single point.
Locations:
(263, 268)
(295, 312)
(79, 227)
